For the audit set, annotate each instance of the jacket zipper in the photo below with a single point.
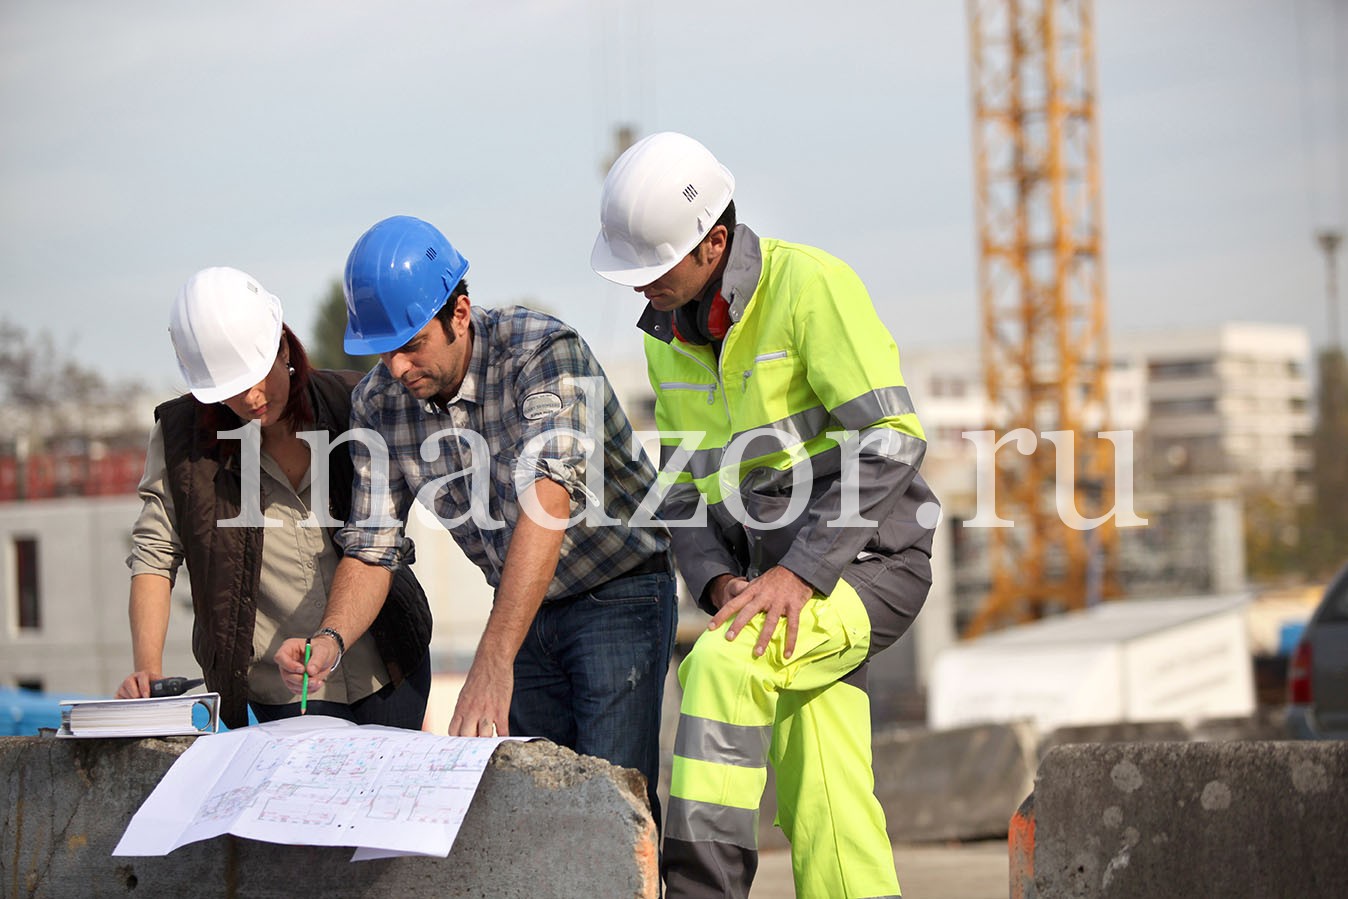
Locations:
(685, 385)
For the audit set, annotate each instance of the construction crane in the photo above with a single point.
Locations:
(1042, 297)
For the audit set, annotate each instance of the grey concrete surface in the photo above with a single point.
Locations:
(545, 823)
(975, 870)
(1249, 818)
(961, 784)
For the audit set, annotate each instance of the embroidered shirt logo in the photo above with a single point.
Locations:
(541, 405)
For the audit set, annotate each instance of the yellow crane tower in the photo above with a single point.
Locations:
(1042, 297)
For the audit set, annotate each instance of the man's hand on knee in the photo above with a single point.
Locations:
(778, 593)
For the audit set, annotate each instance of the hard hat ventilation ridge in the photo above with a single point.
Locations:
(430, 253)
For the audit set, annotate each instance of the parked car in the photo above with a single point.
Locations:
(1317, 678)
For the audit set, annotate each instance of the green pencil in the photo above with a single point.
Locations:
(304, 697)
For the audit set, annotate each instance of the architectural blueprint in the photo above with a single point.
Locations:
(316, 781)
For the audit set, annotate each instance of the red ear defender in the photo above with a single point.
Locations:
(716, 317)
(702, 321)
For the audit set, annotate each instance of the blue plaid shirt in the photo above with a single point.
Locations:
(534, 403)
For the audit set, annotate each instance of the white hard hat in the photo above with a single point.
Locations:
(660, 199)
(226, 330)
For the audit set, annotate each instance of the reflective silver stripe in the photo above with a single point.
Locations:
(702, 822)
(700, 464)
(867, 409)
(802, 426)
(892, 444)
(727, 744)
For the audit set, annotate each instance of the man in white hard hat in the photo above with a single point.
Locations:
(502, 422)
(814, 553)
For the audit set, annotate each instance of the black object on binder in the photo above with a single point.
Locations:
(173, 686)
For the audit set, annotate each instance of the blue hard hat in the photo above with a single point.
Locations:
(399, 274)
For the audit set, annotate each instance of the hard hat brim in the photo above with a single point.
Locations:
(377, 346)
(613, 268)
(221, 392)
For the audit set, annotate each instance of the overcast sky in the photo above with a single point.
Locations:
(143, 141)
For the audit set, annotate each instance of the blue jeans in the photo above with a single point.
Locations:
(400, 706)
(591, 673)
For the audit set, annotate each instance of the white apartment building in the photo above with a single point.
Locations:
(1232, 402)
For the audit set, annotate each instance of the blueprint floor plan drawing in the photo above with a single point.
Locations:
(316, 781)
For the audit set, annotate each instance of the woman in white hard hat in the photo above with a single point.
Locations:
(230, 500)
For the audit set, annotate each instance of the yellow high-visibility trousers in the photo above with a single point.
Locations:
(737, 712)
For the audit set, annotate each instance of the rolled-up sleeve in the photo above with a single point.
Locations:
(155, 545)
(562, 401)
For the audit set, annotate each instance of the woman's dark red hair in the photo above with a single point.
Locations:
(216, 417)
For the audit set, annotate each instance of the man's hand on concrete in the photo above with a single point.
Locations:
(778, 593)
(483, 709)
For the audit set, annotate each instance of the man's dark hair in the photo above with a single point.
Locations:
(728, 218)
(446, 314)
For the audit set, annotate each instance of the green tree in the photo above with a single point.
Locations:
(325, 350)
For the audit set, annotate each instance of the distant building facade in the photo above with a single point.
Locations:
(1227, 407)
(1216, 413)
(65, 588)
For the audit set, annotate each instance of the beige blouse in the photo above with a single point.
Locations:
(297, 569)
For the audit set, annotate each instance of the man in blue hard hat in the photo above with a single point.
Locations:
(503, 423)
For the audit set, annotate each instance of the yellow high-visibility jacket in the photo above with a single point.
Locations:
(808, 357)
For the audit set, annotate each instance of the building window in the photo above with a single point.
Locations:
(949, 386)
(1204, 405)
(29, 683)
(26, 581)
(1180, 369)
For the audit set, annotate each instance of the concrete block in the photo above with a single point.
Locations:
(545, 822)
(1265, 724)
(959, 784)
(1115, 732)
(1192, 819)
(1020, 850)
